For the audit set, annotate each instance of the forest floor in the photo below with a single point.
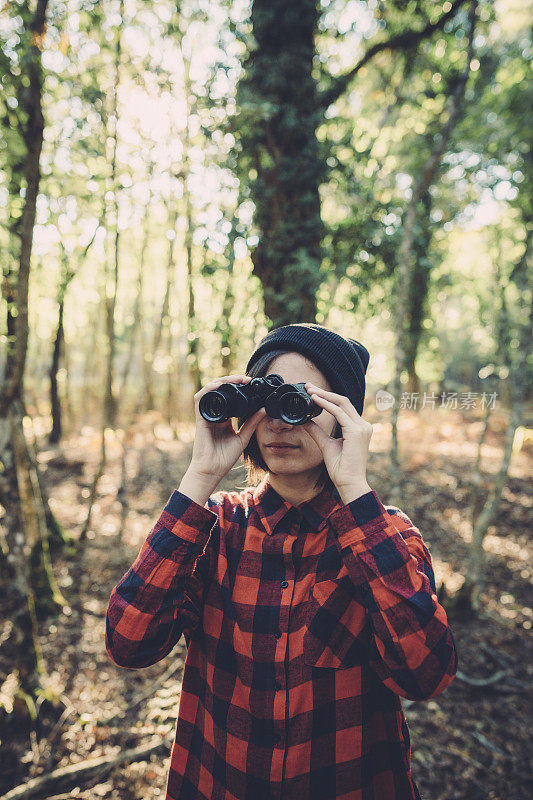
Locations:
(469, 743)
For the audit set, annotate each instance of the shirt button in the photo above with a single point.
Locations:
(284, 584)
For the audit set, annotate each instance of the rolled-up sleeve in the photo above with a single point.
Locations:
(412, 648)
(161, 595)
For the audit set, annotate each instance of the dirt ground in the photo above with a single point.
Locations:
(467, 744)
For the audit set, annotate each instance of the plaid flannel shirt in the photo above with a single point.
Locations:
(304, 626)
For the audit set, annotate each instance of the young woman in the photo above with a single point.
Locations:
(308, 607)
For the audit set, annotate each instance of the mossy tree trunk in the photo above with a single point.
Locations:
(25, 571)
(280, 160)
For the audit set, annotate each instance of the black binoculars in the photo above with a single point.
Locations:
(287, 401)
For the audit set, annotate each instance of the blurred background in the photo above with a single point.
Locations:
(177, 178)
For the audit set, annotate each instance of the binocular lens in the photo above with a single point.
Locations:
(214, 405)
(293, 407)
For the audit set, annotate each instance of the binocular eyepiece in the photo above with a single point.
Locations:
(287, 401)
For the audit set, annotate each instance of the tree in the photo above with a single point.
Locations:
(405, 255)
(25, 569)
(507, 146)
(281, 163)
(280, 158)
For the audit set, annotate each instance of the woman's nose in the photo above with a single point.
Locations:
(279, 424)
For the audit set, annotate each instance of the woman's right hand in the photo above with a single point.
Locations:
(217, 446)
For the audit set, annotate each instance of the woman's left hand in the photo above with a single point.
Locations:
(345, 458)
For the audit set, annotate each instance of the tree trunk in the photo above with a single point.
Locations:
(32, 134)
(144, 399)
(226, 333)
(67, 274)
(170, 373)
(166, 320)
(418, 294)
(110, 403)
(55, 405)
(164, 317)
(193, 336)
(23, 554)
(470, 592)
(112, 270)
(279, 114)
(130, 336)
(15, 576)
(48, 599)
(503, 330)
(404, 272)
(92, 363)
(25, 568)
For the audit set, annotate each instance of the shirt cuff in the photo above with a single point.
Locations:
(358, 520)
(187, 519)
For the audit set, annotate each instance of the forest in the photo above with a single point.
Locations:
(176, 180)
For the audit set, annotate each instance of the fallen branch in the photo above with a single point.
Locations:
(512, 686)
(174, 667)
(497, 657)
(74, 774)
(68, 710)
(486, 743)
(498, 676)
(470, 759)
(70, 796)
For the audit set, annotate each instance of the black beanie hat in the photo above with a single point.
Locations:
(342, 361)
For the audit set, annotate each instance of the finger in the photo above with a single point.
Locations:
(317, 433)
(219, 381)
(339, 399)
(235, 378)
(338, 412)
(247, 428)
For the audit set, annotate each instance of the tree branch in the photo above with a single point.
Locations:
(405, 39)
(456, 105)
(93, 769)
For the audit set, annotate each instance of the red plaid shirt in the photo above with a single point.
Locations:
(304, 625)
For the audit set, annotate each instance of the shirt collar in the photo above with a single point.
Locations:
(272, 508)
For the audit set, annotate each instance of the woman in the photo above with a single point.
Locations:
(308, 607)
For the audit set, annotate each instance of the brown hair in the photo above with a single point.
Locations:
(253, 460)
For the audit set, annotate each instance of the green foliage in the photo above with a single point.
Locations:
(278, 158)
(318, 196)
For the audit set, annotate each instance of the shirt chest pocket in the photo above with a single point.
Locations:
(336, 632)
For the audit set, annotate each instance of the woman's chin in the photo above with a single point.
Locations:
(285, 462)
(289, 464)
